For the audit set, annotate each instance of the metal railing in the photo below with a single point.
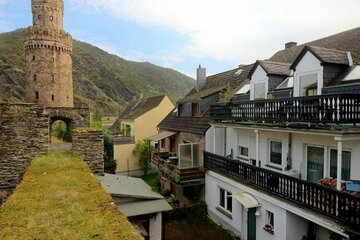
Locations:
(338, 205)
(340, 108)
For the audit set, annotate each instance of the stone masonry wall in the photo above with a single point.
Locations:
(90, 143)
(24, 134)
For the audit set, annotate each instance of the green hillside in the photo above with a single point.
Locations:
(100, 78)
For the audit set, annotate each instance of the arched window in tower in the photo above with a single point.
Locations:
(34, 77)
(34, 58)
(37, 95)
(52, 97)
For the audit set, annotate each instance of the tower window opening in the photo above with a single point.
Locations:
(34, 58)
(36, 95)
(34, 77)
(52, 78)
(52, 97)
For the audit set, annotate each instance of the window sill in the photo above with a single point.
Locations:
(274, 167)
(243, 158)
(223, 211)
(269, 229)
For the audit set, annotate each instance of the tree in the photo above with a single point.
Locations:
(109, 162)
(60, 130)
(143, 149)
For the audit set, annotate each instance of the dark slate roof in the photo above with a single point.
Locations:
(233, 79)
(344, 41)
(272, 68)
(197, 125)
(138, 107)
(325, 55)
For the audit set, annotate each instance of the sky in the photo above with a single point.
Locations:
(181, 34)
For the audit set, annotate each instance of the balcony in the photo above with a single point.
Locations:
(121, 140)
(341, 108)
(170, 167)
(340, 206)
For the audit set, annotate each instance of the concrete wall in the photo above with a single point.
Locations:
(24, 134)
(155, 227)
(126, 160)
(90, 144)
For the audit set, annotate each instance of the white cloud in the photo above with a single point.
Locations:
(236, 30)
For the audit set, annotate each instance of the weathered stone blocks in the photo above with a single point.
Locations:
(90, 144)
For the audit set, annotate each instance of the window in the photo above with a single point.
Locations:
(243, 151)
(195, 109)
(36, 95)
(276, 152)
(34, 58)
(346, 164)
(308, 84)
(315, 163)
(269, 222)
(52, 97)
(259, 90)
(225, 200)
(34, 77)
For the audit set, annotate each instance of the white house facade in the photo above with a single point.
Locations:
(280, 157)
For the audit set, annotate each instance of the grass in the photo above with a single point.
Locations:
(193, 224)
(60, 199)
(152, 180)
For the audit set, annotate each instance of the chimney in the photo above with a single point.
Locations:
(200, 78)
(290, 45)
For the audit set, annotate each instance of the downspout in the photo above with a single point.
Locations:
(288, 158)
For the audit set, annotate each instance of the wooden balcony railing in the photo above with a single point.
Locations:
(338, 205)
(341, 108)
(172, 171)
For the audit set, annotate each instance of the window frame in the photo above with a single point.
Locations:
(271, 163)
(304, 91)
(225, 204)
(344, 150)
(264, 92)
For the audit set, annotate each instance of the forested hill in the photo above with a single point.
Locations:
(100, 79)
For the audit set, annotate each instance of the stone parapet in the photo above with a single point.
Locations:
(35, 37)
(24, 134)
(90, 144)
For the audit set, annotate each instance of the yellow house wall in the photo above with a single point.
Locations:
(126, 161)
(143, 127)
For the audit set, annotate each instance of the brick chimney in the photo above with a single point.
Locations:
(290, 45)
(200, 78)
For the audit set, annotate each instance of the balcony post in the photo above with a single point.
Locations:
(257, 147)
(339, 164)
(214, 128)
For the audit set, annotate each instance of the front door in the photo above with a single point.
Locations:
(251, 224)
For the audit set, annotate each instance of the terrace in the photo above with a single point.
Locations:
(341, 206)
(339, 109)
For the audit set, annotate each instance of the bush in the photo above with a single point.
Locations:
(143, 149)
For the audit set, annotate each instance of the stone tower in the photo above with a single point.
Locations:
(48, 63)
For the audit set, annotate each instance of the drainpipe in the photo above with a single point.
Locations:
(289, 160)
(257, 148)
(214, 139)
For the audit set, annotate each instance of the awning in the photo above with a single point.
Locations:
(246, 199)
(161, 135)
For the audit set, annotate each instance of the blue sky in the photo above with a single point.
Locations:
(181, 34)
